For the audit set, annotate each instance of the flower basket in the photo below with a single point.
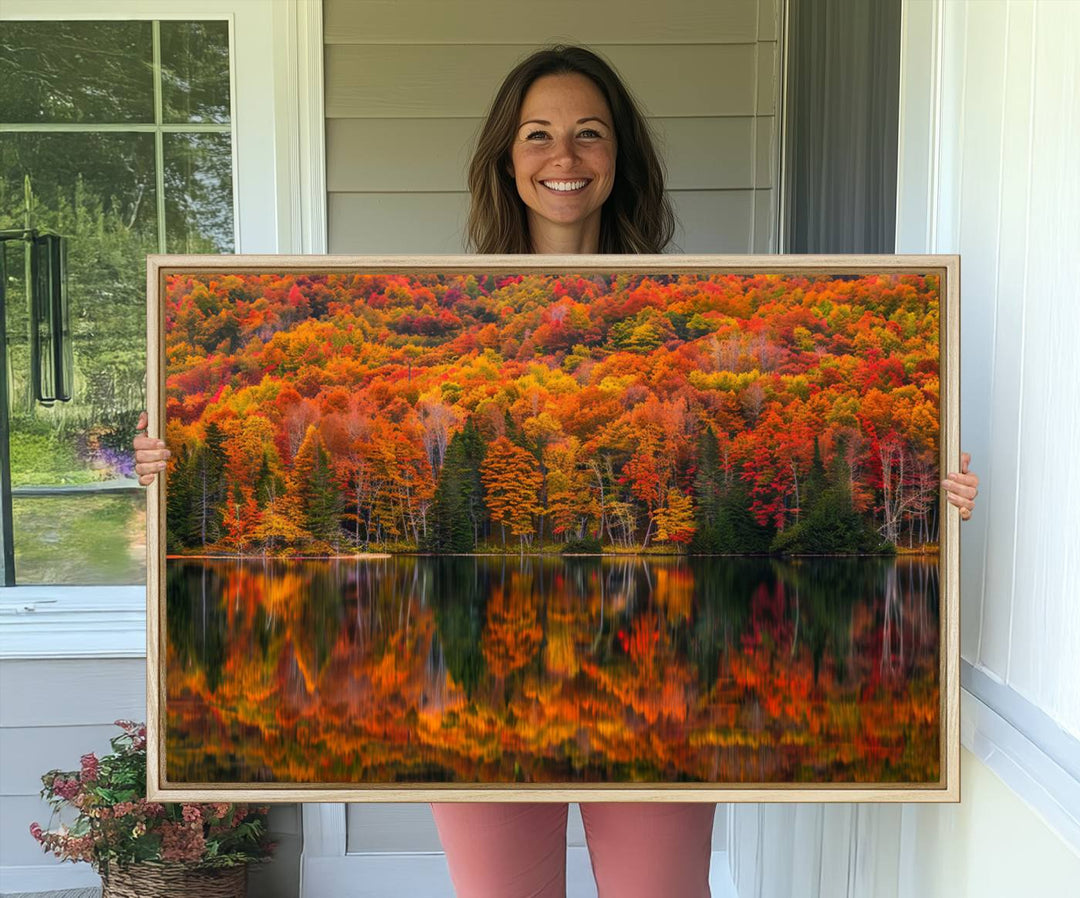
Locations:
(173, 881)
(149, 849)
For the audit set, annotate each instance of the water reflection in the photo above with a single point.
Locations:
(543, 669)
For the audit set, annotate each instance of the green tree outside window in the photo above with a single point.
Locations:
(118, 136)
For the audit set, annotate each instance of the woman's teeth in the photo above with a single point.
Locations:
(564, 186)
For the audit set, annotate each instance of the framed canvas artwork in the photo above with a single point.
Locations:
(587, 528)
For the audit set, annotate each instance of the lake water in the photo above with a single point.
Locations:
(541, 669)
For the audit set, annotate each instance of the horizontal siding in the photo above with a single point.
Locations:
(768, 20)
(766, 222)
(17, 846)
(483, 22)
(375, 81)
(427, 155)
(28, 752)
(708, 221)
(369, 223)
(65, 693)
(52, 713)
(713, 221)
(767, 79)
(765, 153)
(367, 155)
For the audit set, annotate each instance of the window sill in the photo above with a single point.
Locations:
(39, 622)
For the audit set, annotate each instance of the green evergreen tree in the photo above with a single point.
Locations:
(816, 481)
(325, 505)
(737, 531)
(722, 514)
(830, 525)
(475, 452)
(204, 524)
(312, 487)
(451, 527)
(707, 480)
(180, 507)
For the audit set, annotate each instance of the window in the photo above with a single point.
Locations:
(117, 135)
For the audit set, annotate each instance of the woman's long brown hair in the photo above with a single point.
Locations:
(637, 216)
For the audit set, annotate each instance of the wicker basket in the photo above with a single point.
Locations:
(148, 880)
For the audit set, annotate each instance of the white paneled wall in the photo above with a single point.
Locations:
(989, 167)
(1008, 200)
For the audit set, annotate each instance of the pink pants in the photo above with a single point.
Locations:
(518, 850)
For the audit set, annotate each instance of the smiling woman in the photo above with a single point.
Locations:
(563, 162)
(560, 117)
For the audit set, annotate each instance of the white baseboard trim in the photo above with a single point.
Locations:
(1038, 779)
(426, 876)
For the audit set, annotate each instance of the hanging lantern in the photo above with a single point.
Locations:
(51, 360)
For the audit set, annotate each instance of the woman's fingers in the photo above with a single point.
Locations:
(961, 501)
(150, 454)
(961, 487)
(966, 485)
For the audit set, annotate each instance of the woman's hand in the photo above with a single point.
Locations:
(962, 488)
(150, 454)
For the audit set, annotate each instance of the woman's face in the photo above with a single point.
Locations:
(563, 157)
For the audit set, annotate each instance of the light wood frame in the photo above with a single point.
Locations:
(946, 790)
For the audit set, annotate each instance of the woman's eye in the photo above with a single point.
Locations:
(589, 132)
(536, 135)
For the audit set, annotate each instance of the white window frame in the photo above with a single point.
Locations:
(279, 190)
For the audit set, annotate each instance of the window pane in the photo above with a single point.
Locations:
(198, 193)
(98, 191)
(76, 72)
(81, 540)
(195, 71)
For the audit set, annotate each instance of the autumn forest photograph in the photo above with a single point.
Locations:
(472, 527)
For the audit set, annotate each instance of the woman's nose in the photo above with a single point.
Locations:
(564, 149)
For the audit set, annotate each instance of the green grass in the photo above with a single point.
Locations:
(41, 459)
(80, 539)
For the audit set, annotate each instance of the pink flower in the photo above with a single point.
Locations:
(123, 808)
(181, 842)
(65, 788)
(150, 808)
(89, 767)
(192, 814)
(36, 832)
